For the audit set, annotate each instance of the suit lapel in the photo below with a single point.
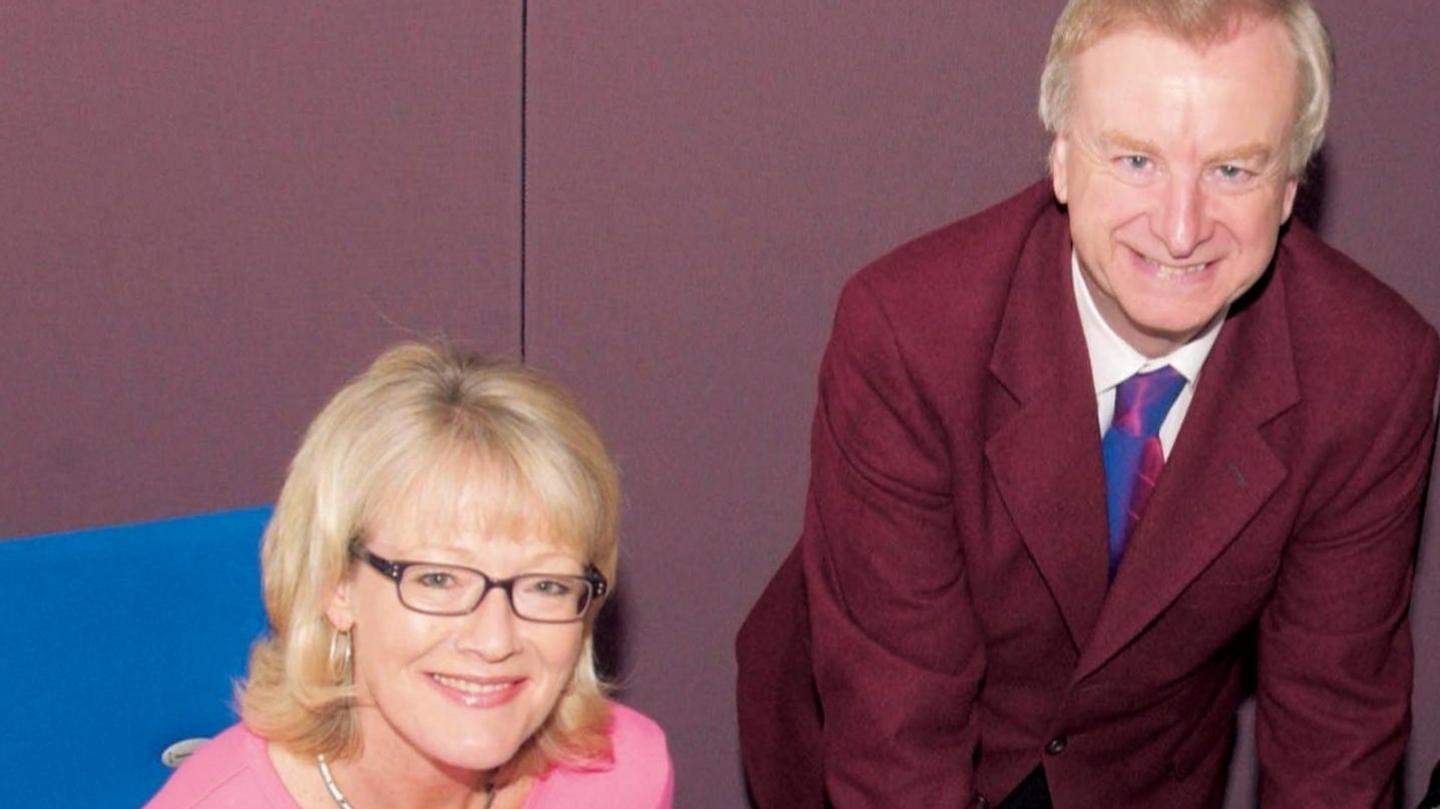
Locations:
(1219, 474)
(1045, 453)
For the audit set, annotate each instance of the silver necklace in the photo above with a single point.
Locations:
(339, 797)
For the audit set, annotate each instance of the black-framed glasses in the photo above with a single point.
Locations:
(435, 589)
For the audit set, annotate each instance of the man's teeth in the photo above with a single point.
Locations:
(469, 687)
(1169, 271)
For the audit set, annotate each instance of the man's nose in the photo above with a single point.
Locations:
(490, 630)
(1181, 221)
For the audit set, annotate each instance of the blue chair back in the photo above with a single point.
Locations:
(115, 644)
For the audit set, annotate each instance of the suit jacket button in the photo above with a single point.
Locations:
(1056, 745)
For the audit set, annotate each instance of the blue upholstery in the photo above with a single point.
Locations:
(116, 643)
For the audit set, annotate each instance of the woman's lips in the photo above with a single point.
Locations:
(478, 692)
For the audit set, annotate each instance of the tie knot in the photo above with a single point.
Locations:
(1142, 401)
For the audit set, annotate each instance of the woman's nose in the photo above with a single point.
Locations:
(490, 630)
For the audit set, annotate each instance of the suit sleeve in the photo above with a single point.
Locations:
(896, 643)
(1335, 657)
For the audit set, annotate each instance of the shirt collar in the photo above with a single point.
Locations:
(1112, 360)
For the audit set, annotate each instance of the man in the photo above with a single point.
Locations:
(1080, 458)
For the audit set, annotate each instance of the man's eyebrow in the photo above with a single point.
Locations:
(1124, 142)
(1257, 152)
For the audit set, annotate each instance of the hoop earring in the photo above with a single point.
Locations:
(340, 647)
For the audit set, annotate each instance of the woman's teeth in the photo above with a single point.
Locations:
(470, 687)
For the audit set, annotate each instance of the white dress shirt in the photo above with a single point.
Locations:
(1113, 361)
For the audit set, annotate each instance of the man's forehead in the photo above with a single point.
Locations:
(1200, 40)
(1126, 60)
(1145, 92)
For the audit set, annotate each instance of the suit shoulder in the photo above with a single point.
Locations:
(1340, 308)
(977, 248)
(959, 275)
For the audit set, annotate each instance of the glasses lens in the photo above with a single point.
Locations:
(542, 597)
(440, 588)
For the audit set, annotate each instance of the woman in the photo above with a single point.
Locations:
(432, 572)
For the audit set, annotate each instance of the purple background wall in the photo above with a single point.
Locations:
(212, 215)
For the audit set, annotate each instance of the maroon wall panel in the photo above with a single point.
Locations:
(1380, 201)
(702, 179)
(213, 212)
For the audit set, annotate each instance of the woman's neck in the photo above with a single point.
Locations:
(396, 776)
(372, 781)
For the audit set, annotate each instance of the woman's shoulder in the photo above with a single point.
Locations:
(636, 738)
(231, 771)
(640, 775)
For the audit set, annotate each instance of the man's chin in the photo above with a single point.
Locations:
(1169, 333)
(1156, 333)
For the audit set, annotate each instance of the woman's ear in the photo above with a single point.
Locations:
(338, 611)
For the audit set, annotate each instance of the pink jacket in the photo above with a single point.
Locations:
(233, 771)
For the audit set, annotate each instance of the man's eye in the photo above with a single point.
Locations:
(1232, 172)
(556, 588)
(1134, 162)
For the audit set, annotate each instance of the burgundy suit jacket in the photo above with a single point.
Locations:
(944, 624)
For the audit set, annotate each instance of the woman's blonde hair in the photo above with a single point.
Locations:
(425, 417)
(1200, 22)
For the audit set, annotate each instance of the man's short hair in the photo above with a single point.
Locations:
(1199, 22)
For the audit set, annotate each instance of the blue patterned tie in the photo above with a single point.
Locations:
(1132, 452)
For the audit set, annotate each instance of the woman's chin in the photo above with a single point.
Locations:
(477, 755)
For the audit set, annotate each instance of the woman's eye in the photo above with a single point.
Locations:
(436, 579)
(551, 587)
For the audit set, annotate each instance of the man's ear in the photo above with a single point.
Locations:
(1059, 167)
(1291, 187)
